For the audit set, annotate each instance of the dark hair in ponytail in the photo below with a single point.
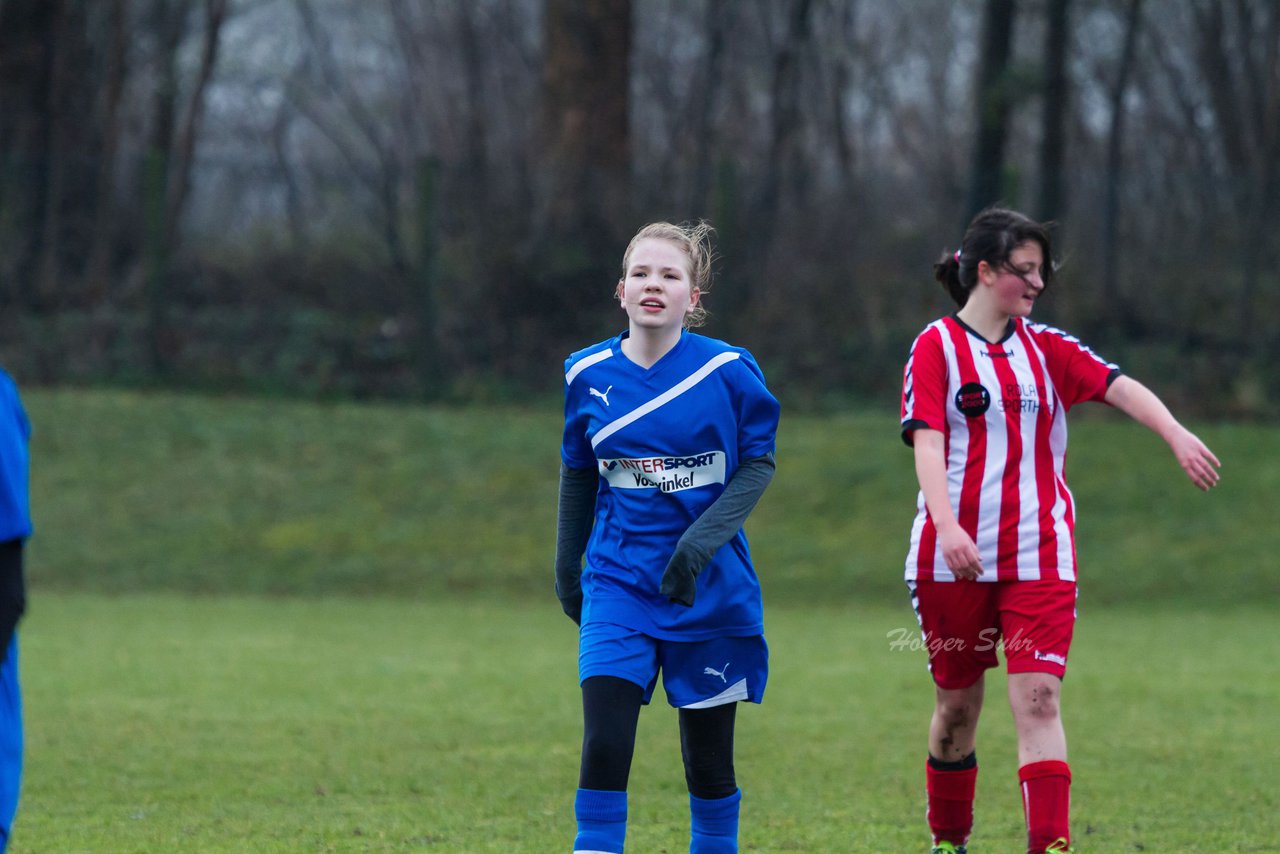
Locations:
(991, 236)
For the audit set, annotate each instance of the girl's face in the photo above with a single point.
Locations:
(1015, 285)
(656, 292)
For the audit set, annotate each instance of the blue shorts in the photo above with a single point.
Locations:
(696, 675)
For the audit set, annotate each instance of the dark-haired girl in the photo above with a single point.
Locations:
(992, 559)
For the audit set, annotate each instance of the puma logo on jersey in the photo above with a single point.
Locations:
(603, 395)
(711, 671)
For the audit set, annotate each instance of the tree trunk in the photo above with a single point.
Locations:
(785, 110)
(993, 102)
(846, 152)
(56, 175)
(382, 178)
(1056, 97)
(586, 108)
(427, 351)
(784, 127)
(27, 39)
(1247, 108)
(476, 158)
(704, 104)
(169, 18)
(1114, 289)
(188, 134)
(583, 211)
(97, 269)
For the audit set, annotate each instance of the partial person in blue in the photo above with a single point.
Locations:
(15, 527)
(668, 445)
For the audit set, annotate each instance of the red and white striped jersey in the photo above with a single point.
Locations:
(1002, 410)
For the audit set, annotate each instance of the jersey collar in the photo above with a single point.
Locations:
(667, 358)
(1008, 330)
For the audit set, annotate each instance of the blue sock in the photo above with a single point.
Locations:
(715, 824)
(602, 820)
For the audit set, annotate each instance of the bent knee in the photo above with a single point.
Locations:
(1037, 701)
(959, 707)
(957, 716)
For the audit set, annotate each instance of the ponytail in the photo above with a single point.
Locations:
(948, 271)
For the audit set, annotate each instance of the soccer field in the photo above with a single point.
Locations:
(379, 663)
(172, 723)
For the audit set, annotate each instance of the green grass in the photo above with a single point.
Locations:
(231, 724)
(248, 495)
(139, 492)
(277, 626)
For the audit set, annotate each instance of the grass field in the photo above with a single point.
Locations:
(170, 723)
(206, 495)
(263, 626)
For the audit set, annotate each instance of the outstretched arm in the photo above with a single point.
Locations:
(1141, 404)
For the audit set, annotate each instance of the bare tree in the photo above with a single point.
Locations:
(994, 98)
(60, 84)
(1111, 281)
(28, 38)
(583, 208)
(1057, 36)
(489, 151)
(323, 95)
(585, 111)
(1241, 67)
(175, 131)
(187, 133)
(704, 102)
(841, 90)
(476, 163)
(97, 268)
(784, 122)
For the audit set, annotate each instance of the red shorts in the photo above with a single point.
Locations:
(964, 622)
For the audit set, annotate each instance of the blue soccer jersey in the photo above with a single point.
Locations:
(15, 432)
(665, 441)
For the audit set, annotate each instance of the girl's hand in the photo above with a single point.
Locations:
(960, 553)
(1195, 458)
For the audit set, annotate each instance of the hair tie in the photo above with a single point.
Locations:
(957, 256)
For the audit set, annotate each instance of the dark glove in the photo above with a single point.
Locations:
(572, 607)
(13, 591)
(680, 580)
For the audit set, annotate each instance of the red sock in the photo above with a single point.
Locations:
(1046, 801)
(950, 803)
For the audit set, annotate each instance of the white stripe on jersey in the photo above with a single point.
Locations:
(1029, 510)
(664, 398)
(1040, 328)
(1057, 450)
(997, 438)
(586, 362)
(909, 385)
(958, 442)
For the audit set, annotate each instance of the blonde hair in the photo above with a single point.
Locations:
(694, 239)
